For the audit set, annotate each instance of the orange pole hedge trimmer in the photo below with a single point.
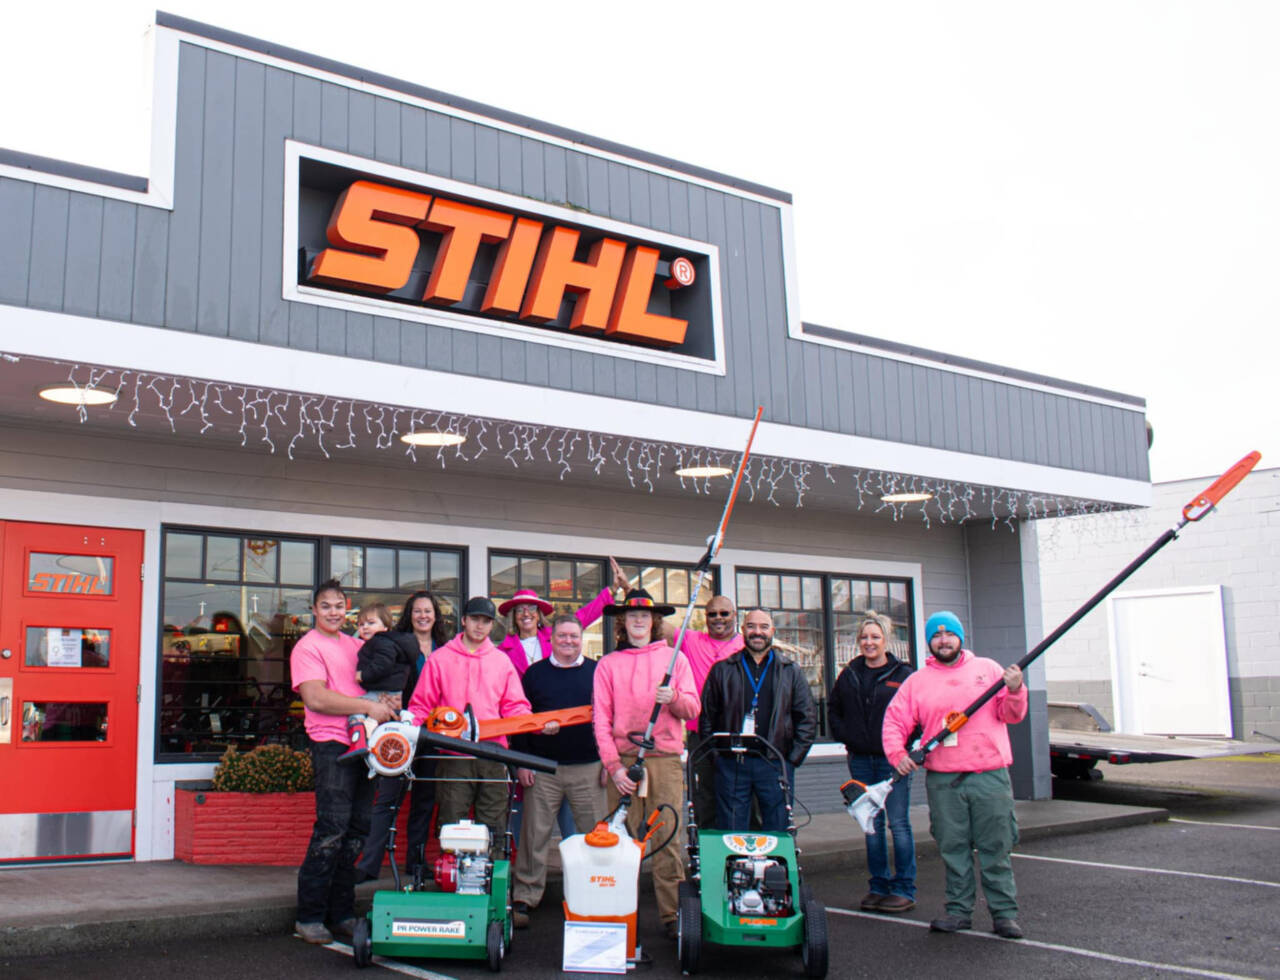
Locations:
(463, 724)
(869, 800)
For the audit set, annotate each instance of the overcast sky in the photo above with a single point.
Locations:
(1087, 190)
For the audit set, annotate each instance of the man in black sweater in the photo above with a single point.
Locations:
(757, 691)
(563, 681)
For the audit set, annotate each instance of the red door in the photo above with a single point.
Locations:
(70, 605)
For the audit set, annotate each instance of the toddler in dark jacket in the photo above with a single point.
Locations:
(382, 667)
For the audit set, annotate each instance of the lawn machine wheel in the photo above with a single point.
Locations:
(689, 933)
(813, 952)
(496, 945)
(362, 943)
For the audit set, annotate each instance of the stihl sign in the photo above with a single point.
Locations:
(426, 248)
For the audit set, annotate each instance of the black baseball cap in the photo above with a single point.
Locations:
(480, 605)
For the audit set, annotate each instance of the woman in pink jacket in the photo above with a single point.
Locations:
(528, 638)
(471, 670)
(967, 778)
(628, 682)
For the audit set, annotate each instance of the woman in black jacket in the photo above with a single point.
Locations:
(858, 701)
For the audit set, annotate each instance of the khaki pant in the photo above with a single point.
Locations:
(580, 785)
(463, 790)
(666, 785)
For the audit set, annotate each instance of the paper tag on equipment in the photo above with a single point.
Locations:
(642, 788)
(951, 741)
(595, 947)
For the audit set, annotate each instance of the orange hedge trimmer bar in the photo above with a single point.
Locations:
(870, 799)
(463, 724)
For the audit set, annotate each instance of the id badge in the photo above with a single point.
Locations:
(749, 724)
(642, 790)
(951, 741)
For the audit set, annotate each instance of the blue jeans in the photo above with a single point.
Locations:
(872, 769)
(737, 777)
(344, 796)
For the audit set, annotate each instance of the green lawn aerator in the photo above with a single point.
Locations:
(745, 887)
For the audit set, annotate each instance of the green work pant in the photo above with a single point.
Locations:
(974, 812)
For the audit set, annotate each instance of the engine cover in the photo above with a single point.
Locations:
(759, 886)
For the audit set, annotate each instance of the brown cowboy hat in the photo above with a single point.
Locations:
(638, 600)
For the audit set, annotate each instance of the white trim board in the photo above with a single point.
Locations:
(88, 340)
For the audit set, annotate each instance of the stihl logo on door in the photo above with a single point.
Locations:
(68, 583)
(472, 252)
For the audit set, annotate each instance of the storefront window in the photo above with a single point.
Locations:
(567, 582)
(390, 574)
(673, 584)
(815, 617)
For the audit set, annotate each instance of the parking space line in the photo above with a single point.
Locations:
(394, 965)
(1216, 823)
(1152, 871)
(1055, 948)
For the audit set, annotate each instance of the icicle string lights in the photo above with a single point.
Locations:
(298, 422)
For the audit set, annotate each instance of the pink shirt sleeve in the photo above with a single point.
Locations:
(594, 609)
(687, 704)
(602, 717)
(899, 722)
(305, 664)
(1011, 706)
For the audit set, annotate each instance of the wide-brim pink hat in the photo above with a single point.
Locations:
(527, 597)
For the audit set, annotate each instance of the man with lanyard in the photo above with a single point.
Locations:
(757, 691)
(703, 651)
(563, 680)
(323, 668)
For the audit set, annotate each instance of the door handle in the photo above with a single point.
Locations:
(4, 711)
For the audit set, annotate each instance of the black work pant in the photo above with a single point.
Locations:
(344, 795)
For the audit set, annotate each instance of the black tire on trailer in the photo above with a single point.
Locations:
(495, 945)
(362, 943)
(813, 951)
(689, 933)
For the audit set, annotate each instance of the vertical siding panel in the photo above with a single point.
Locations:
(510, 178)
(950, 433)
(678, 194)
(333, 116)
(439, 152)
(560, 367)
(997, 443)
(308, 114)
(1046, 432)
(576, 194)
(774, 312)
(960, 404)
(184, 224)
(659, 202)
(533, 182)
(115, 277)
(619, 192)
(1062, 423)
(669, 390)
(639, 197)
(860, 385)
(466, 354)
(215, 195)
(362, 140)
(277, 126)
(304, 326)
(624, 380)
(878, 398)
(413, 137)
(901, 417)
(977, 415)
(247, 215)
(580, 378)
(555, 174)
(538, 371)
(597, 185)
(603, 380)
(17, 208)
(842, 364)
(724, 224)
(646, 381)
(934, 422)
(413, 343)
(1005, 429)
(48, 248)
(331, 331)
(386, 133)
(360, 335)
(439, 348)
(149, 276)
(462, 150)
(486, 144)
(513, 367)
(1107, 433)
(386, 338)
(84, 253)
(811, 386)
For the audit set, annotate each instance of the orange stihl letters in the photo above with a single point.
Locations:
(375, 238)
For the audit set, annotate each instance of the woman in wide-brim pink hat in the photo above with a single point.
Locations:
(528, 638)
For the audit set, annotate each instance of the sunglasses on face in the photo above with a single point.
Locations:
(718, 615)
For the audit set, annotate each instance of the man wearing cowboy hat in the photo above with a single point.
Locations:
(627, 684)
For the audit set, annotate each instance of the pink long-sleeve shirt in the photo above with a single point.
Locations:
(514, 649)
(455, 677)
(623, 699)
(703, 653)
(929, 695)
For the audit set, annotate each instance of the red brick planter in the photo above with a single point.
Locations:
(246, 828)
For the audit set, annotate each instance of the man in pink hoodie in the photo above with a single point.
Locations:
(471, 670)
(967, 779)
(628, 682)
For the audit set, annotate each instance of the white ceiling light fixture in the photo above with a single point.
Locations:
(906, 498)
(704, 472)
(64, 394)
(431, 438)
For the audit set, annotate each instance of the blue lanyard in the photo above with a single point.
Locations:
(756, 685)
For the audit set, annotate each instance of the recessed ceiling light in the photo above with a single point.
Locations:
(433, 438)
(703, 472)
(73, 395)
(906, 498)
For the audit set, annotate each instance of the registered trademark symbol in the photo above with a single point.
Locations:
(682, 273)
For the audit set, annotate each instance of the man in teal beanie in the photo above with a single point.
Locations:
(967, 778)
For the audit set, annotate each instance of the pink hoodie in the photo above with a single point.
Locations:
(622, 701)
(514, 649)
(704, 653)
(929, 695)
(455, 677)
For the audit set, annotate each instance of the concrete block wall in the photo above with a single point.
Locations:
(1237, 547)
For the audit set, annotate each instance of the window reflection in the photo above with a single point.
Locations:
(64, 721)
(63, 647)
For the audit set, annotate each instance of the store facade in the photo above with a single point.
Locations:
(323, 261)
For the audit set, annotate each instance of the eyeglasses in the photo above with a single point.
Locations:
(712, 614)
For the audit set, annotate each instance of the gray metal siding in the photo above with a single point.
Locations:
(214, 265)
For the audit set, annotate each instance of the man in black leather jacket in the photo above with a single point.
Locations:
(757, 691)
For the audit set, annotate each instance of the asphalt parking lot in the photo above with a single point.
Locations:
(1195, 896)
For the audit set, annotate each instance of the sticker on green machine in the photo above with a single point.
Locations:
(428, 929)
(750, 843)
